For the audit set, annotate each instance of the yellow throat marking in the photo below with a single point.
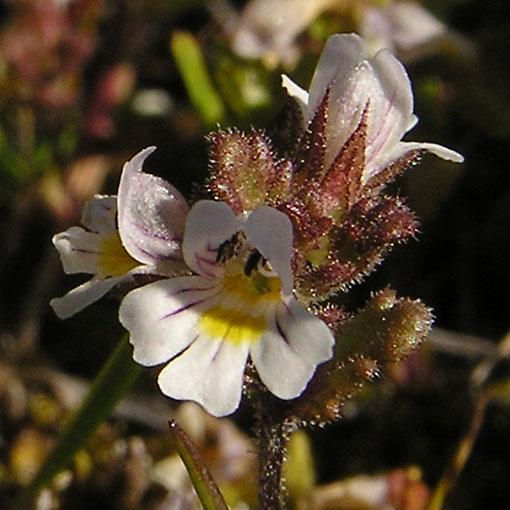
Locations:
(245, 322)
(112, 258)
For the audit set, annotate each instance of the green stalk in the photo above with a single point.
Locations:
(114, 379)
(193, 70)
(205, 487)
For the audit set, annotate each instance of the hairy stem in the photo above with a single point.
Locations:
(272, 434)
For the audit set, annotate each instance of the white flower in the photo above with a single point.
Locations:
(150, 215)
(356, 83)
(268, 29)
(400, 26)
(238, 304)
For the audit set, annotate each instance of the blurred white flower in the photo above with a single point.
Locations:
(399, 26)
(356, 84)
(239, 303)
(138, 231)
(268, 29)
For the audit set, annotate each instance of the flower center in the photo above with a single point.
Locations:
(112, 258)
(248, 289)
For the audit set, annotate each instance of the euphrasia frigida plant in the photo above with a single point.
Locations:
(244, 281)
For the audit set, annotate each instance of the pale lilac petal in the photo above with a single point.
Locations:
(381, 85)
(98, 214)
(341, 54)
(401, 149)
(270, 232)
(287, 354)
(391, 111)
(209, 372)
(434, 148)
(299, 94)
(161, 317)
(81, 297)
(208, 225)
(79, 250)
(151, 213)
(413, 25)
(349, 96)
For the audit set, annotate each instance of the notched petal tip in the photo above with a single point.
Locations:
(288, 354)
(209, 372)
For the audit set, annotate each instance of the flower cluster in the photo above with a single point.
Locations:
(239, 300)
(298, 213)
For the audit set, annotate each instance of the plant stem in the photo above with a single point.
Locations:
(272, 434)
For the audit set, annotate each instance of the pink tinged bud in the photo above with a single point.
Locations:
(244, 173)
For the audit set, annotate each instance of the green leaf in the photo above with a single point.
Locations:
(114, 379)
(201, 478)
(190, 62)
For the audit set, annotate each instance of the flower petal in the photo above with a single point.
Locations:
(270, 232)
(402, 148)
(295, 342)
(299, 94)
(209, 372)
(208, 225)
(81, 297)
(161, 316)
(101, 254)
(151, 213)
(79, 250)
(434, 148)
(391, 111)
(98, 214)
(341, 54)
(355, 83)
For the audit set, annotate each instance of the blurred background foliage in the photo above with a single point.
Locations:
(85, 84)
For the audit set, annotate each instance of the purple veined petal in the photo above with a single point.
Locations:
(341, 54)
(100, 254)
(161, 317)
(151, 213)
(294, 343)
(99, 214)
(309, 336)
(208, 225)
(270, 232)
(78, 250)
(283, 372)
(348, 98)
(391, 111)
(81, 297)
(209, 372)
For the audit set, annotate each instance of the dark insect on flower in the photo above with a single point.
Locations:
(229, 248)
